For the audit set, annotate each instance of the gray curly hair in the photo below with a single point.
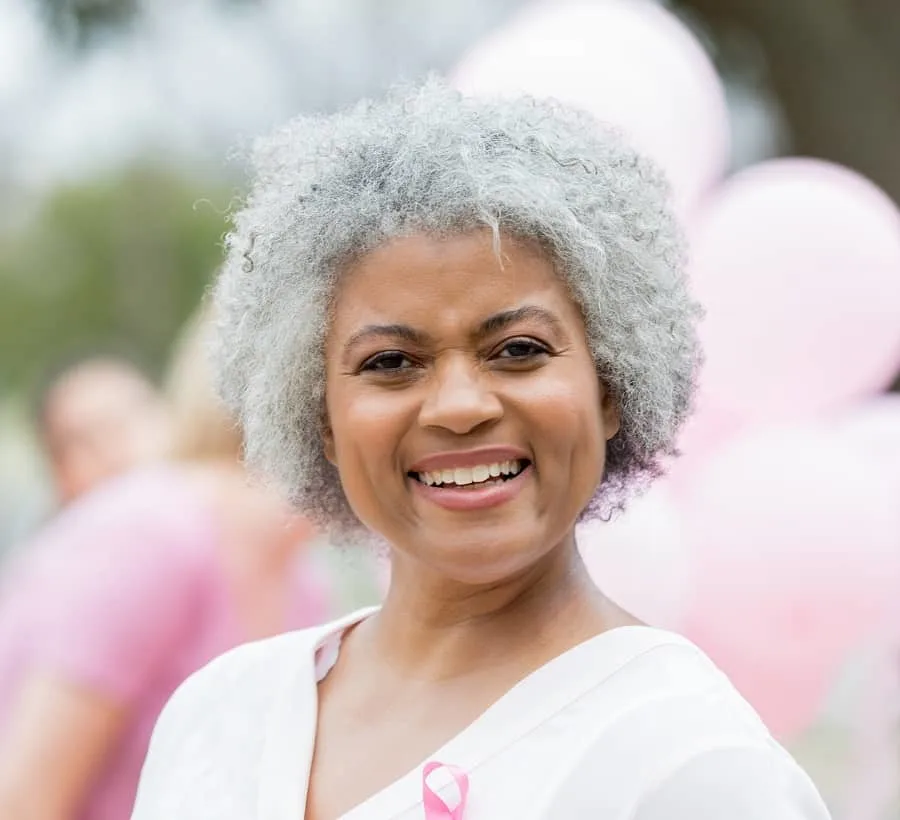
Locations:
(328, 189)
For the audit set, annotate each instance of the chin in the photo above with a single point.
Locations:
(482, 558)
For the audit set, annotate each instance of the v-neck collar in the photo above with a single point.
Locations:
(290, 738)
(293, 719)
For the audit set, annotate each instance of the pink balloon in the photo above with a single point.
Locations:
(707, 430)
(797, 541)
(640, 559)
(874, 428)
(630, 63)
(797, 262)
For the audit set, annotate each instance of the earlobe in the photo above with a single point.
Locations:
(328, 444)
(327, 435)
(611, 415)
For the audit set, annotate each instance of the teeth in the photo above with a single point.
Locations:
(463, 476)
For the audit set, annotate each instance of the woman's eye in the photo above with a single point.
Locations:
(521, 349)
(390, 361)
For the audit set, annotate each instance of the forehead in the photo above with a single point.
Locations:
(456, 280)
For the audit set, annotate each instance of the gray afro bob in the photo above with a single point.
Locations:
(328, 189)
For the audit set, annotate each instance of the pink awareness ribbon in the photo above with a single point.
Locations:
(435, 807)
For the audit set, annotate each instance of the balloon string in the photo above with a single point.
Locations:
(435, 807)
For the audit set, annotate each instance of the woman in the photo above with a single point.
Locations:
(462, 326)
(128, 592)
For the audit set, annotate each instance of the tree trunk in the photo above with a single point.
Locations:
(835, 66)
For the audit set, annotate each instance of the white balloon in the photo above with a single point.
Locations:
(873, 428)
(630, 63)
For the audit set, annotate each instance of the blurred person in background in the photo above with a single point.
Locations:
(130, 590)
(98, 418)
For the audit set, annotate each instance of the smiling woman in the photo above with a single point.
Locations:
(459, 327)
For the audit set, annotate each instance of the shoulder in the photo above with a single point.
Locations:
(648, 664)
(135, 515)
(252, 672)
(241, 682)
(209, 740)
(130, 493)
(740, 781)
(141, 544)
(119, 575)
(680, 742)
(668, 691)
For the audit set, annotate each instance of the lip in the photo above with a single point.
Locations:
(461, 499)
(468, 458)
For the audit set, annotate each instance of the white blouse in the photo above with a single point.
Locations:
(633, 724)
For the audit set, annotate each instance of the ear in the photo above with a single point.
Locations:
(328, 443)
(610, 414)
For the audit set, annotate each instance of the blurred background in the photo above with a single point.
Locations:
(122, 124)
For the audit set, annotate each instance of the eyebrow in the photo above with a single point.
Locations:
(502, 320)
(382, 331)
(493, 324)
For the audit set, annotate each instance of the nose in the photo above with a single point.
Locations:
(459, 398)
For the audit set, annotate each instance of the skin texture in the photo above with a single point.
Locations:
(478, 599)
(99, 420)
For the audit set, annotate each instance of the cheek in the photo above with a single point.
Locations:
(566, 411)
(368, 432)
(367, 428)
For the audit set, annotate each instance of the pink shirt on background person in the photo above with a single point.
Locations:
(126, 594)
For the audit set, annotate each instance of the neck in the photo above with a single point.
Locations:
(435, 629)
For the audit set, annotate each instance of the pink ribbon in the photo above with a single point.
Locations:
(435, 807)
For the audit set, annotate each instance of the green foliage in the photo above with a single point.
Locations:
(112, 265)
(79, 23)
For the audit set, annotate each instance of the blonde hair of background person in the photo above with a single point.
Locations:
(202, 428)
(206, 439)
(71, 746)
(462, 324)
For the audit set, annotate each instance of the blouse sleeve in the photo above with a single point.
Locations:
(740, 783)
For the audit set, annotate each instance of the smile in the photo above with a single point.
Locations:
(469, 489)
(475, 476)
